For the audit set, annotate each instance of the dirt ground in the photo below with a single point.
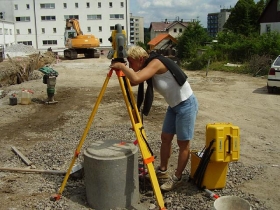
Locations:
(223, 97)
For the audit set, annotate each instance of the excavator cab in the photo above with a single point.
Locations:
(69, 34)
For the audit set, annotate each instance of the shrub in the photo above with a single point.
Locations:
(258, 65)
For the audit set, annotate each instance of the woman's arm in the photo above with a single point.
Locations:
(155, 66)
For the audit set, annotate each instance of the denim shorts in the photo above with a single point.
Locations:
(180, 120)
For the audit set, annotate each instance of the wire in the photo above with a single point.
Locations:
(204, 161)
(203, 170)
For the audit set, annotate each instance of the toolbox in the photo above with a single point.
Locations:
(215, 174)
(225, 141)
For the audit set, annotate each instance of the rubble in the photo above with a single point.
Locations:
(20, 48)
(17, 69)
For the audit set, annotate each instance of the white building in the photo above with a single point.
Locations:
(7, 33)
(223, 16)
(41, 23)
(136, 29)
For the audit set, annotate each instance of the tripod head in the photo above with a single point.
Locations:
(119, 46)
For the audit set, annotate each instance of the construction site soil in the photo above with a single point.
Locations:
(49, 134)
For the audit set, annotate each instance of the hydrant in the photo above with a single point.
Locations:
(49, 78)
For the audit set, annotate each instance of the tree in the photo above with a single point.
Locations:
(190, 40)
(141, 44)
(244, 17)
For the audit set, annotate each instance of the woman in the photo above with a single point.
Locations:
(180, 115)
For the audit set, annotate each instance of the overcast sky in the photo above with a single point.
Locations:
(159, 10)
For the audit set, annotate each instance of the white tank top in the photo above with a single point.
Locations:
(168, 87)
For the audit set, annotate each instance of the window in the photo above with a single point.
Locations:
(43, 30)
(100, 40)
(1, 31)
(6, 31)
(47, 6)
(71, 34)
(94, 17)
(25, 42)
(88, 29)
(180, 30)
(136, 20)
(2, 15)
(49, 42)
(18, 32)
(110, 4)
(100, 28)
(10, 31)
(76, 5)
(88, 5)
(27, 6)
(113, 28)
(122, 5)
(23, 19)
(99, 4)
(54, 30)
(29, 31)
(71, 16)
(64, 5)
(268, 28)
(175, 30)
(48, 18)
(16, 7)
(116, 16)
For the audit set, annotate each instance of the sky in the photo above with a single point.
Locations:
(159, 10)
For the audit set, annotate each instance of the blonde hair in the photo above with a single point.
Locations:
(136, 52)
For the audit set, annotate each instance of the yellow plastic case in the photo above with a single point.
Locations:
(226, 141)
(215, 174)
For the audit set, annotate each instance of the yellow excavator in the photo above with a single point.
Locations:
(78, 43)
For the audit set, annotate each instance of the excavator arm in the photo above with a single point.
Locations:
(74, 23)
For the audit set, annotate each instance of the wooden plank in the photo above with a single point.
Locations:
(24, 158)
(32, 170)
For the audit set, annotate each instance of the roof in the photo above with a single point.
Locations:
(271, 12)
(163, 26)
(160, 38)
(163, 44)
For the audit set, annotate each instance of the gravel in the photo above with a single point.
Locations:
(58, 152)
(21, 48)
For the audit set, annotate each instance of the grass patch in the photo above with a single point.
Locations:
(221, 66)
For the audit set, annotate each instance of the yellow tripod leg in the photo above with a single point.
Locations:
(138, 129)
(78, 149)
(140, 135)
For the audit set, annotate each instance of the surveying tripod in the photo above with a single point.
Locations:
(136, 122)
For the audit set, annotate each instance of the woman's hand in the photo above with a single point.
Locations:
(117, 65)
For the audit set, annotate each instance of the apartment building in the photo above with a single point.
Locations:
(41, 23)
(7, 34)
(212, 24)
(216, 21)
(136, 29)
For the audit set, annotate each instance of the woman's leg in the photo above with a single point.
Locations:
(183, 157)
(165, 150)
